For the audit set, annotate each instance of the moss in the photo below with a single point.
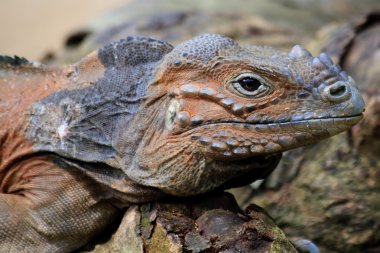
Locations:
(161, 242)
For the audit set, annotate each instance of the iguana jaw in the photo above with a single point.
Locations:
(208, 156)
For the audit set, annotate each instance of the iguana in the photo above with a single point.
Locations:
(140, 119)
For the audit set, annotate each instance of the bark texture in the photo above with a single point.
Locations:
(210, 223)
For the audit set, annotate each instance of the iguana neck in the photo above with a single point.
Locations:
(89, 124)
(21, 84)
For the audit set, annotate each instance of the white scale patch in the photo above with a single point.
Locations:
(62, 130)
(171, 114)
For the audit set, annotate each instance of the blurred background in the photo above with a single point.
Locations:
(33, 28)
(30, 28)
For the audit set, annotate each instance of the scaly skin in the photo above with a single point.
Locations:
(139, 119)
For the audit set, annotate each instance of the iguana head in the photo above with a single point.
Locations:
(189, 119)
(222, 110)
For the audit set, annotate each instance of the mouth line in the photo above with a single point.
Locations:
(259, 159)
(326, 120)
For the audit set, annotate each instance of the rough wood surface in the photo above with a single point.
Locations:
(208, 224)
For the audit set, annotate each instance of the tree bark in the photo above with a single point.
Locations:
(209, 224)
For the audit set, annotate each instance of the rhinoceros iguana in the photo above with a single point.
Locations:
(140, 119)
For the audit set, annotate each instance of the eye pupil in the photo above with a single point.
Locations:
(249, 84)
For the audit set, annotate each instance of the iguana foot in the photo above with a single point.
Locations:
(44, 208)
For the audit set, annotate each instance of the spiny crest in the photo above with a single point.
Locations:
(14, 61)
(133, 50)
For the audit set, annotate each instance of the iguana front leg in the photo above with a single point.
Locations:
(43, 207)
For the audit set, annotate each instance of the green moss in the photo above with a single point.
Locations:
(281, 244)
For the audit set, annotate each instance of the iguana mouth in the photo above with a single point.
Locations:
(346, 121)
(237, 140)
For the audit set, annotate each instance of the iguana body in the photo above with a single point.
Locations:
(139, 119)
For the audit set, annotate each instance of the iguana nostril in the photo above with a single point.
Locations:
(337, 92)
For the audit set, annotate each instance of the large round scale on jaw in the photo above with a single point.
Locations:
(171, 114)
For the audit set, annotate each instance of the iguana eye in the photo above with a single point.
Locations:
(250, 84)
